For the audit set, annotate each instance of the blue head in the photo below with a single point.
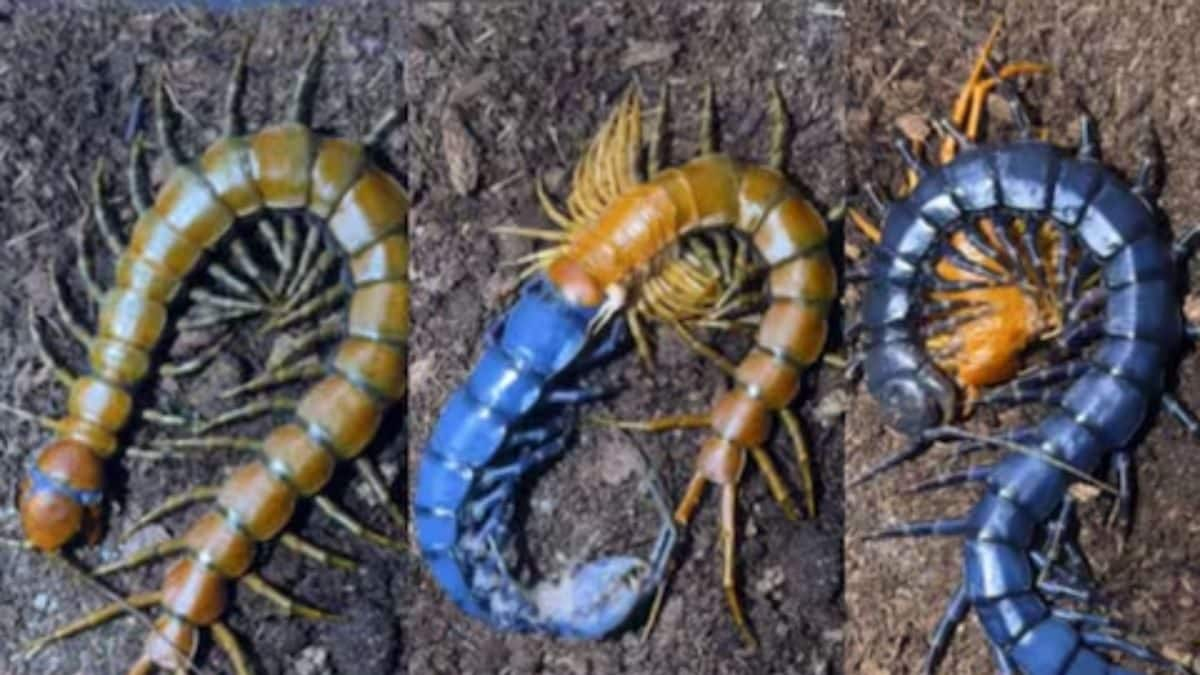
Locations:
(594, 599)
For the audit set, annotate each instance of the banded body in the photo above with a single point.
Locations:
(1064, 223)
(619, 250)
(282, 168)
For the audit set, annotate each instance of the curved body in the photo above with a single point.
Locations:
(494, 429)
(1101, 410)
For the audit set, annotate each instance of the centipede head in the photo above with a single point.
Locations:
(915, 401)
(56, 497)
(595, 598)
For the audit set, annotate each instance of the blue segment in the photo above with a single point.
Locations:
(1087, 662)
(1037, 486)
(1072, 441)
(1146, 259)
(467, 432)
(1026, 171)
(907, 235)
(544, 330)
(440, 487)
(997, 519)
(1048, 648)
(887, 303)
(1148, 310)
(1115, 218)
(1005, 619)
(993, 570)
(438, 532)
(934, 201)
(501, 385)
(1077, 184)
(1138, 360)
(449, 575)
(1111, 408)
(972, 180)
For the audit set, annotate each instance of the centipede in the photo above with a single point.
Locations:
(288, 169)
(628, 250)
(994, 251)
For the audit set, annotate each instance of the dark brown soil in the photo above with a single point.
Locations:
(71, 78)
(1128, 64)
(532, 82)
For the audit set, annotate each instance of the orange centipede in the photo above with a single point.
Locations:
(288, 168)
(625, 244)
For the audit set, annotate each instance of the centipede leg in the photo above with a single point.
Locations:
(287, 253)
(274, 244)
(374, 480)
(83, 263)
(68, 319)
(233, 94)
(95, 618)
(775, 484)
(239, 443)
(1109, 641)
(229, 644)
(301, 370)
(729, 562)
(1122, 510)
(324, 261)
(1057, 531)
(656, 424)
(1181, 413)
(353, 526)
(141, 557)
(248, 411)
(382, 126)
(654, 155)
(725, 365)
(310, 550)
(173, 503)
(249, 268)
(287, 604)
(1034, 385)
(305, 343)
(791, 424)
(331, 297)
(227, 280)
(195, 363)
(49, 360)
(312, 243)
(956, 611)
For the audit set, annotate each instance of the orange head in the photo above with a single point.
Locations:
(60, 497)
(576, 285)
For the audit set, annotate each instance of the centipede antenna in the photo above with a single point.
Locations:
(104, 219)
(139, 181)
(654, 155)
(973, 474)
(166, 120)
(915, 448)
(1089, 144)
(234, 122)
(708, 139)
(947, 527)
(779, 128)
(300, 109)
(947, 433)
(1180, 412)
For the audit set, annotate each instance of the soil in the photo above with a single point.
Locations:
(1129, 65)
(73, 77)
(525, 87)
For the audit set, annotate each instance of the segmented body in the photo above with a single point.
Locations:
(283, 168)
(620, 232)
(1101, 410)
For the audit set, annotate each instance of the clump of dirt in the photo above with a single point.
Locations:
(1129, 66)
(530, 85)
(76, 86)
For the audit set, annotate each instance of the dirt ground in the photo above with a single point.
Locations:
(71, 81)
(531, 84)
(1128, 64)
